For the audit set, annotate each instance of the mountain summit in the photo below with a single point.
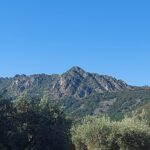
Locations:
(76, 69)
(75, 83)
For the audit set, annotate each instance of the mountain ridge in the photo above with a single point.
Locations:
(75, 83)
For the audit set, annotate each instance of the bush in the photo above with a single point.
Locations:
(103, 134)
(26, 126)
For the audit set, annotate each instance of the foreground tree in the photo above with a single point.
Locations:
(8, 129)
(26, 125)
(103, 134)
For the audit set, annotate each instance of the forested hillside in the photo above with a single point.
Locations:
(73, 111)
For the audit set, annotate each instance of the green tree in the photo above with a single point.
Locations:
(27, 126)
(100, 133)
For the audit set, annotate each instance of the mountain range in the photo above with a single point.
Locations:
(79, 92)
(75, 83)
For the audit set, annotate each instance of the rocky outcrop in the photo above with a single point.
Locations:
(75, 83)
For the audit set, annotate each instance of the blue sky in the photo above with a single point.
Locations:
(103, 36)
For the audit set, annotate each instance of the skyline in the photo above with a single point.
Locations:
(104, 37)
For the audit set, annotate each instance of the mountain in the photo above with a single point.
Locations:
(75, 83)
(114, 104)
(80, 93)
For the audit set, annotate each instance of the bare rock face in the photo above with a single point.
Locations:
(75, 83)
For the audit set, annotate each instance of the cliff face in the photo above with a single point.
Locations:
(75, 83)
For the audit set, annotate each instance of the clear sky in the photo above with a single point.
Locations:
(50, 36)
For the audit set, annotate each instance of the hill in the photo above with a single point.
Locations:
(75, 83)
(79, 93)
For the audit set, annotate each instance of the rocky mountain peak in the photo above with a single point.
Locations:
(75, 83)
(75, 70)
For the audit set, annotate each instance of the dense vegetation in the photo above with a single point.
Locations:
(31, 125)
(103, 134)
(28, 123)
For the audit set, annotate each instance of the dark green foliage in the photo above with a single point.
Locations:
(34, 123)
(8, 129)
(27, 125)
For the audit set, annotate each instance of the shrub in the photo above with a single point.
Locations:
(26, 126)
(103, 134)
